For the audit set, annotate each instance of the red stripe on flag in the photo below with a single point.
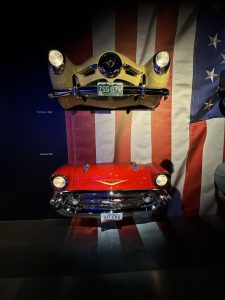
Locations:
(83, 234)
(70, 140)
(83, 134)
(80, 47)
(126, 30)
(192, 184)
(125, 43)
(161, 117)
(80, 125)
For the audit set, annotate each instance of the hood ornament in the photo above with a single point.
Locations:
(110, 182)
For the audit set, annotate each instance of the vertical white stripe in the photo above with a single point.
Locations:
(103, 35)
(108, 241)
(181, 98)
(151, 236)
(141, 148)
(105, 136)
(103, 31)
(155, 244)
(212, 157)
(146, 31)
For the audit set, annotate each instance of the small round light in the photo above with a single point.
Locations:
(59, 182)
(162, 59)
(161, 62)
(161, 180)
(55, 58)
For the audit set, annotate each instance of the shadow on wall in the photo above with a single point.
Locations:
(175, 205)
(219, 181)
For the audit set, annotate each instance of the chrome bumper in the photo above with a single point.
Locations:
(91, 91)
(92, 204)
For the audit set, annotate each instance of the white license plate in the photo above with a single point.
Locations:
(106, 217)
(112, 89)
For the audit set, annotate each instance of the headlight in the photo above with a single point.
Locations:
(110, 64)
(59, 182)
(161, 180)
(161, 61)
(57, 61)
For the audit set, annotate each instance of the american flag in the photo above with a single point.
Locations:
(186, 132)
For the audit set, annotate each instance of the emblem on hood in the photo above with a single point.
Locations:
(110, 182)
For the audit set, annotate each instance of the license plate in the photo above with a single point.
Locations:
(113, 89)
(106, 217)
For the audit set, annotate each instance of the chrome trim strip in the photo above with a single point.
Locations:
(88, 70)
(91, 91)
(134, 165)
(86, 167)
(131, 69)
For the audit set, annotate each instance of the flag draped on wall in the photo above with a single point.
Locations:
(186, 132)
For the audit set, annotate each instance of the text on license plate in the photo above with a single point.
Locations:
(106, 217)
(113, 89)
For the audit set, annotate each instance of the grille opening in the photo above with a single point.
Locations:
(125, 83)
(129, 72)
(91, 72)
(95, 82)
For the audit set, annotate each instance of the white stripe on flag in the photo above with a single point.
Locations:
(212, 157)
(108, 241)
(151, 236)
(103, 35)
(155, 243)
(181, 99)
(141, 148)
(103, 31)
(105, 136)
(146, 31)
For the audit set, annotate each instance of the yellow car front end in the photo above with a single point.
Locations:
(109, 80)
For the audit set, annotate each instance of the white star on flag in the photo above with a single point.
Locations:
(213, 41)
(208, 105)
(211, 74)
(223, 61)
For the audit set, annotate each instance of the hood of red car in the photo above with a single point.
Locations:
(109, 176)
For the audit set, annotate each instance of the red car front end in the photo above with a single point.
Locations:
(119, 189)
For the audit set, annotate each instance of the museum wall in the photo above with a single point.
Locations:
(185, 134)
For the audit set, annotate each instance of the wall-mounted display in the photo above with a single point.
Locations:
(109, 191)
(109, 80)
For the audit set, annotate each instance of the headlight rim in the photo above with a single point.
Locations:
(160, 174)
(56, 69)
(59, 175)
(160, 70)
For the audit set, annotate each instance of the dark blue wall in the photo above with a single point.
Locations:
(32, 131)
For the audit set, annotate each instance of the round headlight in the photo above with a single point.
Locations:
(110, 64)
(161, 180)
(161, 62)
(59, 182)
(55, 58)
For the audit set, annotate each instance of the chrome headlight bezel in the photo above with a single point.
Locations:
(161, 180)
(56, 61)
(64, 180)
(161, 62)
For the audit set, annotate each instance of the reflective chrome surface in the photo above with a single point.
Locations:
(94, 203)
(110, 64)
